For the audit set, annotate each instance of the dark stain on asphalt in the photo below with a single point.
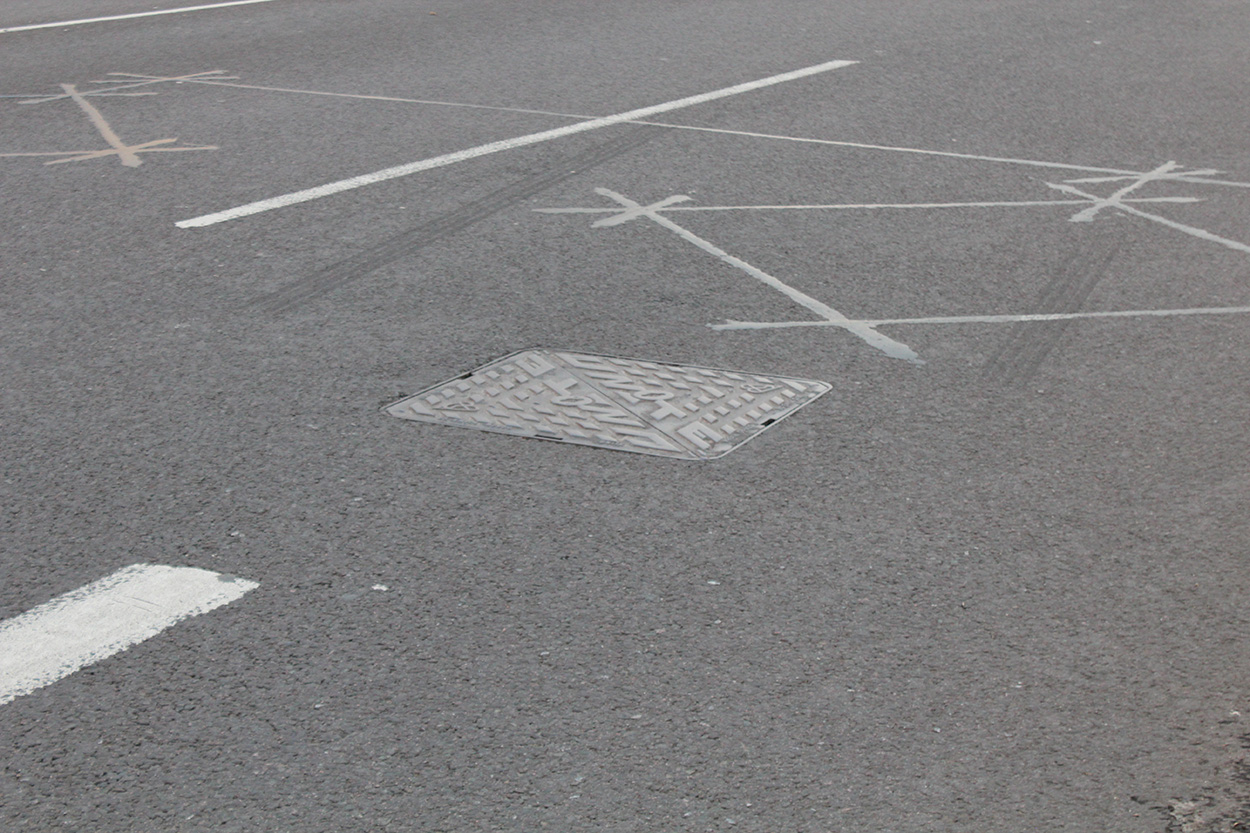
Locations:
(1030, 342)
(1223, 808)
(402, 245)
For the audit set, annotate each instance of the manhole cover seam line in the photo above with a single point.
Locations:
(645, 419)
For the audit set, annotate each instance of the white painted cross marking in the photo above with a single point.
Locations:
(128, 154)
(634, 211)
(87, 625)
(1116, 202)
(887, 345)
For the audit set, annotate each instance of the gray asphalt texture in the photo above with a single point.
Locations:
(1005, 590)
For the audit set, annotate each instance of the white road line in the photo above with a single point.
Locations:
(87, 625)
(989, 319)
(1065, 316)
(213, 83)
(28, 27)
(1029, 162)
(1184, 178)
(507, 144)
(1201, 234)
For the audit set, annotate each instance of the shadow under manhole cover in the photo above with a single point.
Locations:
(669, 410)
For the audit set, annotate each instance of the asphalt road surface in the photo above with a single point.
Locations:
(993, 580)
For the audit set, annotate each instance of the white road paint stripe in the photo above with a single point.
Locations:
(87, 625)
(31, 26)
(989, 319)
(1183, 178)
(506, 144)
(1201, 234)
(435, 102)
(1066, 316)
(1029, 162)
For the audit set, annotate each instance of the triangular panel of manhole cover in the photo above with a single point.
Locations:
(669, 410)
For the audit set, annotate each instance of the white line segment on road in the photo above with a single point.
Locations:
(1035, 163)
(495, 147)
(989, 319)
(59, 24)
(87, 625)
(212, 82)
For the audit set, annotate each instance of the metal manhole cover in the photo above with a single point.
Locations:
(669, 410)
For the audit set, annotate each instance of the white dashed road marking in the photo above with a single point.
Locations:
(87, 625)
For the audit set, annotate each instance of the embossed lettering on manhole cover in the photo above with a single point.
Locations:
(694, 413)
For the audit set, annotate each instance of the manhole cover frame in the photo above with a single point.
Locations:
(681, 411)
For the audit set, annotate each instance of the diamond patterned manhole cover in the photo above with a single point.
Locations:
(670, 410)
